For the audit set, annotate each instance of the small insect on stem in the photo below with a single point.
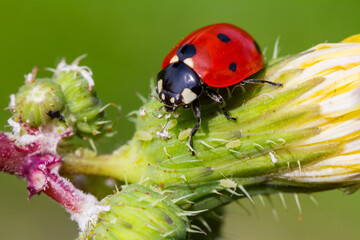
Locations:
(56, 114)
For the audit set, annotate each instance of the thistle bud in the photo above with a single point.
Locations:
(85, 110)
(138, 213)
(36, 100)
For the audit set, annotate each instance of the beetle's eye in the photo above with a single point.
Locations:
(187, 106)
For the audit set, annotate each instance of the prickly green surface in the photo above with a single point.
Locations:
(35, 99)
(138, 213)
(83, 107)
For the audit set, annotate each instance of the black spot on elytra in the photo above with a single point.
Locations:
(186, 51)
(232, 67)
(224, 38)
(257, 47)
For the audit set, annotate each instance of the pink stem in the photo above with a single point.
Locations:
(11, 160)
(64, 192)
(40, 170)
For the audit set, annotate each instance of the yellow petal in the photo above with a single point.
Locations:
(353, 38)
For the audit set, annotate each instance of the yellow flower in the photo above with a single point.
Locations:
(338, 101)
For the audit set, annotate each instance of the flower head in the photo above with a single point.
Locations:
(337, 101)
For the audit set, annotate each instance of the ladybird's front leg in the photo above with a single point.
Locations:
(218, 98)
(197, 113)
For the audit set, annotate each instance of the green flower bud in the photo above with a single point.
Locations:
(84, 109)
(36, 100)
(138, 213)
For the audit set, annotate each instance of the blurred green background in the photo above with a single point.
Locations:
(126, 42)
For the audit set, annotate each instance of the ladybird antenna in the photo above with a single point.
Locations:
(165, 105)
(153, 96)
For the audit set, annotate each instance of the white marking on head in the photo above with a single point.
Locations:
(160, 85)
(163, 96)
(188, 96)
(189, 62)
(174, 59)
(172, 100)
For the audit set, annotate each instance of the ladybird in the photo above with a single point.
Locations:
(215, 56)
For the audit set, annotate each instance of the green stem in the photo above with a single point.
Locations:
(123, 164)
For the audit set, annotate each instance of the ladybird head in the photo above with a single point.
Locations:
(178, 85)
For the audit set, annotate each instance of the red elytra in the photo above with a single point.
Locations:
(225, 54)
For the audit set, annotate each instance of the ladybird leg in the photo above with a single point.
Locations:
(258, 81)
(197, 113)
(218, 98)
